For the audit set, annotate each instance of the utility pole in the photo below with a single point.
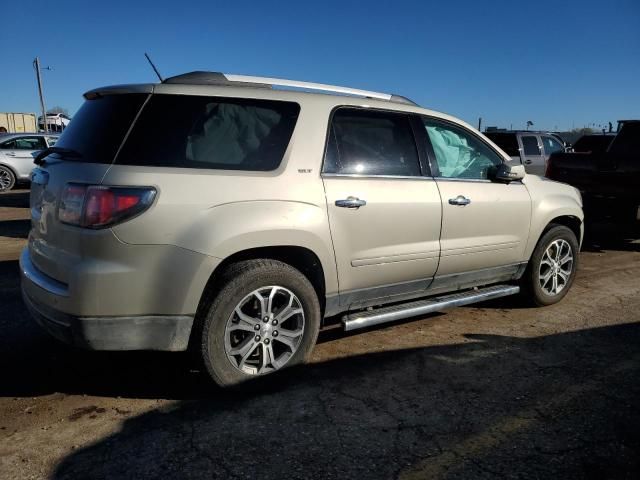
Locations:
(36, 65)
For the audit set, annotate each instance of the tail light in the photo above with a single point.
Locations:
(97, 206)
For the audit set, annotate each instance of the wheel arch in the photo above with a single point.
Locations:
(11, 169)
(301, 258)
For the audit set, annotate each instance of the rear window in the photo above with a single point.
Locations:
(210, 132)
(592, 143)
(506, 141)
(99, 127)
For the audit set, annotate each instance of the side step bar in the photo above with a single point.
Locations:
(368, 318)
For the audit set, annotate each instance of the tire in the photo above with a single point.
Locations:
(237, 349)
(7, 179)
(544, 265)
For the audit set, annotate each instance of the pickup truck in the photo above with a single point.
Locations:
(609, 180)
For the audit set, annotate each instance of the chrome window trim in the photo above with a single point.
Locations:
(388, 177)
(453, 179)
(475, 180)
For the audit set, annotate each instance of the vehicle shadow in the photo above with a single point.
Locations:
(15, 228)
(15, 199)
(563, 405)
(546, 407)
(600, 237)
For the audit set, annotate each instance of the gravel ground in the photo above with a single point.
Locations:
(493, 391)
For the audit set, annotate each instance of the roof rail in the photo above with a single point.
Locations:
(217, 78)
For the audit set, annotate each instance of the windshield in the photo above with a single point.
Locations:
(99, 127)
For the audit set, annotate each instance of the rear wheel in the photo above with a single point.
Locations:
(552, 267)
(265, 317)
(7, 179)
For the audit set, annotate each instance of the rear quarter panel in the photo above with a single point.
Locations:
(219, 213)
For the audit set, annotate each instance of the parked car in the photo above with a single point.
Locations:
(532, 149)
(257, 212)
(56, 122)
(609, 178)
(17, 151)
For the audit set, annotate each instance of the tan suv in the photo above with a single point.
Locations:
(260, 209)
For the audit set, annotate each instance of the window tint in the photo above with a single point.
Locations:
(530, 145)
(459, 153)
(592, 143)
(551, 145)
(99, 127)
(369, 142)
(10, 145)
(210, 132)
(506, 141)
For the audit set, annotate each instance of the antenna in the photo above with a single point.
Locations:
(154, 67)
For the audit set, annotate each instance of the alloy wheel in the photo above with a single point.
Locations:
(264, 331)
(556, 267)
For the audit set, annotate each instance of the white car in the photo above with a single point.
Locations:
(17, 151)
(56, 122)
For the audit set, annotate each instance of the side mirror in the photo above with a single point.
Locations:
(509, 173)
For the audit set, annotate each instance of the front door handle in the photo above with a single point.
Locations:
(459, 200)
(10, 154)
(528, 162)
(351, 202)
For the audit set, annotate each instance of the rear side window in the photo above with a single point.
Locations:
(508, 142)
(210, 132)
(25, 143)
(366, 142)
(99, 127)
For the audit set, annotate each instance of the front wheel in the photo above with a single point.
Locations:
(265, 317)
(7, 179)
(552, 267)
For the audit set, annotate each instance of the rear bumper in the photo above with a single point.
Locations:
(158, 332)
(48, 301)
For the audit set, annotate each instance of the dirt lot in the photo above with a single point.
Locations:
(494, 391)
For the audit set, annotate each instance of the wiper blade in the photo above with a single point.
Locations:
(67, 152)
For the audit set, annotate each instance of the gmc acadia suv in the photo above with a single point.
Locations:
(261, 209)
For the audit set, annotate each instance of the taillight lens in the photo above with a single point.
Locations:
(97, 206)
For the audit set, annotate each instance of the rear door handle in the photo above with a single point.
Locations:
(10, 154)
(459, 200)
(528, 162)
(351, 202)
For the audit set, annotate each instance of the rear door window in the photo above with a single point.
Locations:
(210, 132)
(368, 142)
(507, 142)
(530, 145)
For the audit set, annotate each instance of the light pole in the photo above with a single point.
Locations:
(36, 65)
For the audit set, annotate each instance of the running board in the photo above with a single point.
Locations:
(377, 316)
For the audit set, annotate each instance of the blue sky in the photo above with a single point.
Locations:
(559, 64)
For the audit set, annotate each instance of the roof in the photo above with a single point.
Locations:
(217, 79)
(239, 86)
(538, 132)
